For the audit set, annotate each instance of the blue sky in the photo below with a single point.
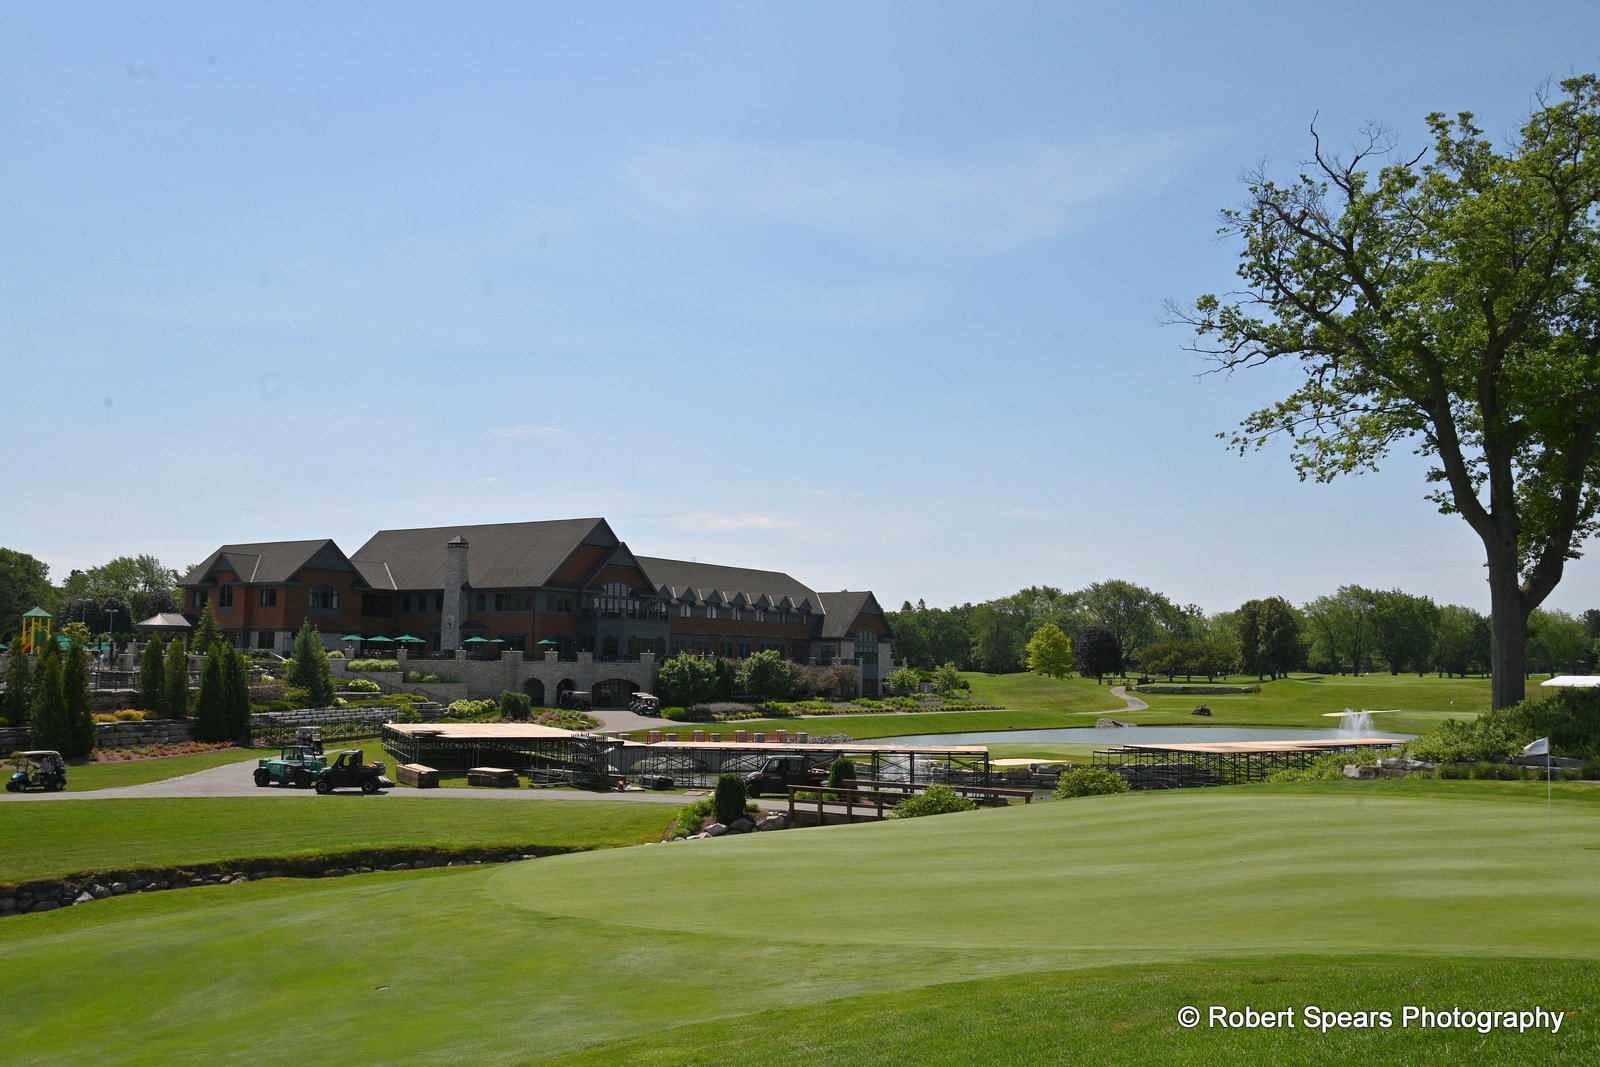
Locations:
(869, 293)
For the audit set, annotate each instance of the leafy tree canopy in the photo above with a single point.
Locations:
(1445, 301)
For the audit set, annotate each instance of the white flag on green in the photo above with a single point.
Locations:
(1540, 747)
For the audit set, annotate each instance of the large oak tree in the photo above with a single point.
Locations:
(1449, 302)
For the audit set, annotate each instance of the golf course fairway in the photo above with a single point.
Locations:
(1066, 931)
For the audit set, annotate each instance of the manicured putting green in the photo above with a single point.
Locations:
(1090, 919)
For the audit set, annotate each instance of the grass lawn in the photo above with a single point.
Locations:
(1068, 931)
(41, 840)
(1033, 702)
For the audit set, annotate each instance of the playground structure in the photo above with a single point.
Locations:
(35, 631)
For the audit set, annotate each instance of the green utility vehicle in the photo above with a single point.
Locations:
(297, 764)
(349, 769)
(38, 769)
(777, 773)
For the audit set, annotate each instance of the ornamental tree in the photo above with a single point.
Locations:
(175, 688)
(152, 676)
(308, 668)
(1097, 651)
(1445, 302)
(1050, 652)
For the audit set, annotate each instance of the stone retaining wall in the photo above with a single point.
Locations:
(279, 720)
(115, 734)
(148, 732)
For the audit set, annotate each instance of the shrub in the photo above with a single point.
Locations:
(471, 709)
(1570, 719)
(729, 800)
(514, 705)
(373, 665)
(692, 818)
(334, 653)
(1328, 768)
(429, 676)
(686, 714)
(363, 685)
(905, 680)
(935, 800)
(842, 773)
(1090, 782)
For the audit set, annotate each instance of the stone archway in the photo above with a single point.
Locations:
(535, 690)
(614, 692)
(563, 687)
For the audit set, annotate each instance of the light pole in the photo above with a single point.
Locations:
(111, 637)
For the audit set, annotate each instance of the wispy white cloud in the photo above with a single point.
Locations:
(525, 430)
(720, 523)
(999, 198)
(493, 478)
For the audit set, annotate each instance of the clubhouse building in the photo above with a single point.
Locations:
(557, 605)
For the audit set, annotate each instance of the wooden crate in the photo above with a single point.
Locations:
(496, 777)
(417, 776)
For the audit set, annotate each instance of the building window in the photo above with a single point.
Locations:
(376, 605)
(405, 602)
(324, 598)
(199, 600)
(559, 602)
(685, 611)
(269, 599)
(263, 638)
(513, 602)
(480, 602)
(225, 598)
(438, 602)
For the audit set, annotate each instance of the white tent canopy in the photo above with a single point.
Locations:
(1575, 681)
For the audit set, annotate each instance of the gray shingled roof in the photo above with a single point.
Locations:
(843, 608)
(508, 555)
(702, 579)
(269, 562)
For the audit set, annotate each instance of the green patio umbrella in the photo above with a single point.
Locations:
(476, 641)
(408, 639)
(351, 637)
(380, 640)
(550, 641)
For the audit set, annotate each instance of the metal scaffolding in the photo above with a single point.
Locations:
(1222, 763)
(699, 763)
(546, 751)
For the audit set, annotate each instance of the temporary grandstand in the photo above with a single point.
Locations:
(548, 753)
(1224, 762)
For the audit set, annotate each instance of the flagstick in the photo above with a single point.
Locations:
(1549, 816)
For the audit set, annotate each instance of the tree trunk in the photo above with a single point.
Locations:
(1508, 629)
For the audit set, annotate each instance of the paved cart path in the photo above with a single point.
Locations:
(236, 780)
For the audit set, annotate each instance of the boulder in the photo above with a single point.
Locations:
(741, 826)
(716, 829)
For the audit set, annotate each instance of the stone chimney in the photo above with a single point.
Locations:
(455, 578)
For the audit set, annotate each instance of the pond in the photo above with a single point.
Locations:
(1129, 735)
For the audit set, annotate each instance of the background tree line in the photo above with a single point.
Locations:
(1117, 625)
